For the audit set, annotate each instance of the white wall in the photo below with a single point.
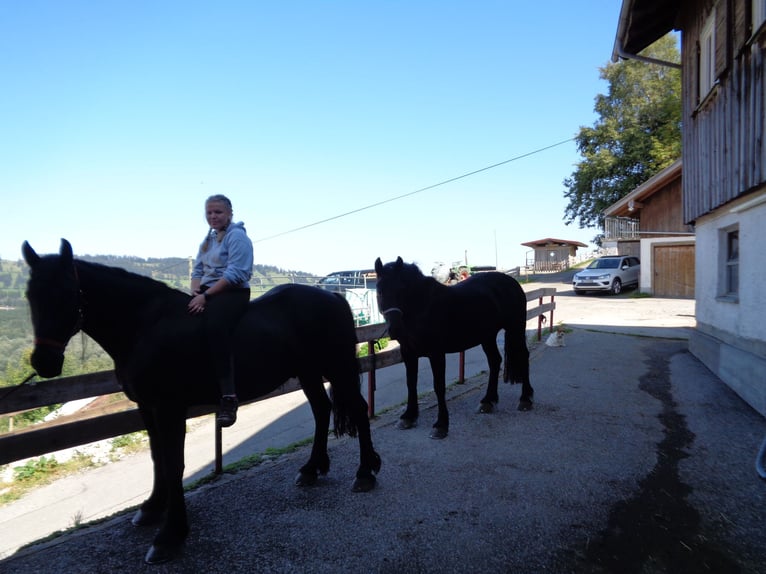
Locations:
(730, 338)
(745, 318)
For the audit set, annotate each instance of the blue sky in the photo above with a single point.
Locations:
(120, 117)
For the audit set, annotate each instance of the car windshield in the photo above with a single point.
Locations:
(604, 264)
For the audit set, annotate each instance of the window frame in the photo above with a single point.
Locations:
(707, 75)
(729, 264)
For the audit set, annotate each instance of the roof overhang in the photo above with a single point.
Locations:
(643, 22)
(552, 241)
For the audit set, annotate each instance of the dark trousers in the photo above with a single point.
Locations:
(222, 312)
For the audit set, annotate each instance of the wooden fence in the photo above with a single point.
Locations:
(114, 420)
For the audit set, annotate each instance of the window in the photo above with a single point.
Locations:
(729, 258)
(707, 57)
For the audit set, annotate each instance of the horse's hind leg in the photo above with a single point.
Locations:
(351, 418)
(494, 360)
(321, 407)
(517, 359)
(369, 460)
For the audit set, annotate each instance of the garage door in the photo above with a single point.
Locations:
(673, 267)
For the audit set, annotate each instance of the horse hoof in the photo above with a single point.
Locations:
(525, 405)
(438, 433)
(145, 518)
(406, 424)
(159, 554)
(364, 484)
(486, 408)
(306, 479)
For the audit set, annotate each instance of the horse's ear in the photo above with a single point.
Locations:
(66, 252)
(378, 266)
(399, 261)
(30, 256)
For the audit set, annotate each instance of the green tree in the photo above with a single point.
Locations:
(638, 133)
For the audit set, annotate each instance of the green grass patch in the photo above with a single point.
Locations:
(380, 344)
(39, 472)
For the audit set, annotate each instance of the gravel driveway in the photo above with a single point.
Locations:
(635, 458)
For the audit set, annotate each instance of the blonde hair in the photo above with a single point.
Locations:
(217, 198)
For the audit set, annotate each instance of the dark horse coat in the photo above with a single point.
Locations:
(430, 319)
(160, 360)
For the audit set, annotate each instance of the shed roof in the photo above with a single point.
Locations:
(552, 241)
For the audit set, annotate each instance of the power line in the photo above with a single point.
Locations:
(422, 189)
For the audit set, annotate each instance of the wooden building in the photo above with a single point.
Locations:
(649, 224)
(724, 172)
(551, 255)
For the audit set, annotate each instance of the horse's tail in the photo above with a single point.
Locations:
(344, 405)
(515, 357)
(348, 404)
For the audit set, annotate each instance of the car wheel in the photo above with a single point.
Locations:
(616, 287)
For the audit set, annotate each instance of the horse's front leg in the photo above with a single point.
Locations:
(153, 508)
(410, 415)
(439, 368)
(170, 432)
(494, 360)
(319, 462)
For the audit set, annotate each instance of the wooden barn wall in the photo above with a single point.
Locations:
(723, 148)
(663, 210)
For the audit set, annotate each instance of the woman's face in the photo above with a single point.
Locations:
(218, 215)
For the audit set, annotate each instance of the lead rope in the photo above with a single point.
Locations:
(14, 388)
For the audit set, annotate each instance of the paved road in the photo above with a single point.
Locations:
(632, 443)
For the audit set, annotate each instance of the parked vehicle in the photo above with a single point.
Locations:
(609, 273)
(342, 281)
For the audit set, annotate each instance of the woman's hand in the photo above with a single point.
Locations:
(197, 303)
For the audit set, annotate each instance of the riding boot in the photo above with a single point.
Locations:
(227, 411)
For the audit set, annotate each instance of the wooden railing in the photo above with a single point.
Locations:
(115, 420)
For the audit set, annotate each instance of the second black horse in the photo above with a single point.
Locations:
(429, 319)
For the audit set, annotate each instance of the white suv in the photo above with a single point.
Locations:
(609, 273)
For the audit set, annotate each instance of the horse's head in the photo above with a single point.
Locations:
(394, 292)
(53, 292)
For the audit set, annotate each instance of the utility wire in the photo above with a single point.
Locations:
(422, 189)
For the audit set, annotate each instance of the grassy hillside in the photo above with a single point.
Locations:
(84, 355)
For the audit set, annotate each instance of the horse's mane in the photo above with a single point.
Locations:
(411, 273)
(123, 277)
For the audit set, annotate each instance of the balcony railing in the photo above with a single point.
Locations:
(621, 228)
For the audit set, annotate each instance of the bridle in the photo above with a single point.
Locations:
(60, 345)
(392, 310)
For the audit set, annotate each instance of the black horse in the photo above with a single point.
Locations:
(430, 319)
(159, 359)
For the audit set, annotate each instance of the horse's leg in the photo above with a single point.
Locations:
(409, 417)
(439, 369)
(369, 460)
(170, 424)
(319, 462)
(494, 360)
(153, 508)
(517, 358)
